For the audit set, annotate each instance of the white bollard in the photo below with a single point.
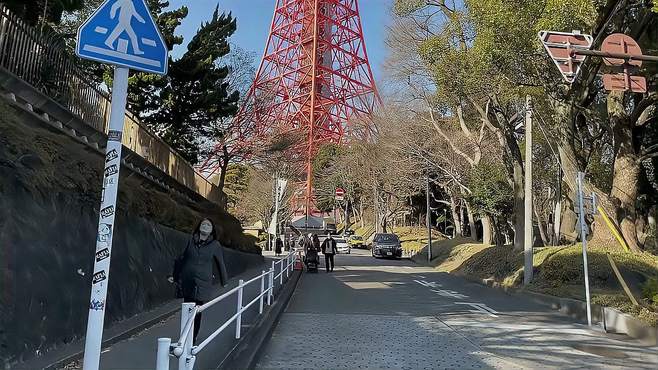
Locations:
(162, 360)
(262, 291)
(281, 274)
(185, 359)
(238, 320)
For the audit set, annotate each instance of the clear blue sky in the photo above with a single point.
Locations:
(255, 16)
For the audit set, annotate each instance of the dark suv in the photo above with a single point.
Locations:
(386, 245)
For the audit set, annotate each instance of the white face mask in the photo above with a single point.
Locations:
(205, 229)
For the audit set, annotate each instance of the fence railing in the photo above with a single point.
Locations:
(40, 58)
(185, 351)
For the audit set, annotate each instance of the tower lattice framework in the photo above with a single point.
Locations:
(314, 79)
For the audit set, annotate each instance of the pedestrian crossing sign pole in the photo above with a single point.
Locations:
(121, 33)
(585, 205)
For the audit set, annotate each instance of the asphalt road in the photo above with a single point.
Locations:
(393, 314)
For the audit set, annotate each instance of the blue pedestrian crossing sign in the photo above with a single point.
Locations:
(123, 33)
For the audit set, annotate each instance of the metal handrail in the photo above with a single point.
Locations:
(183, 349)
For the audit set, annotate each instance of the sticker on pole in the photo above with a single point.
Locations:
(560, 47)
(123, 33)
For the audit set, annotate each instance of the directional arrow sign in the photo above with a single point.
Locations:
(122, 32)
(560, 47)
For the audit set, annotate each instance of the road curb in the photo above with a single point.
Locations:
(610, 319)
(247, 352)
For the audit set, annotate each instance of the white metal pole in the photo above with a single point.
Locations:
(271, 282)
(281, 273)
(262, 291)
(276, 209)
(583, 236)
(101, 276)
(238, 320)
(527, 242)
(184, 361)
(162, 359)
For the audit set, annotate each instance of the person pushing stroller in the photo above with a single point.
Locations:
(311, 252)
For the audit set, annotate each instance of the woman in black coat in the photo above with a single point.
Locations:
(193, 270)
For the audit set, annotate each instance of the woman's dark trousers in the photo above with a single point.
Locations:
(197, 318)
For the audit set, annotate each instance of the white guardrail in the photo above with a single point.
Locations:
(184, 349)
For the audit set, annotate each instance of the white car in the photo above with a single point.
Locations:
(343, 246)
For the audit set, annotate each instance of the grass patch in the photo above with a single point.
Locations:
(558, 272)
(414, 238)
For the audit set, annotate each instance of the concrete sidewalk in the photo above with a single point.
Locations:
(138, 350)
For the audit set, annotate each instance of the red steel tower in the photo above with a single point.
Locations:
(314, 79)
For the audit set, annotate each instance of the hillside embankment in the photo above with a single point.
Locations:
(49, 200)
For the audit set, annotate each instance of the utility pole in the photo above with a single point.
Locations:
(428, 221)
(527, 249)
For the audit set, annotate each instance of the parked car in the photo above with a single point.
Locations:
(386, 245)
(356, 241)
(343, 246)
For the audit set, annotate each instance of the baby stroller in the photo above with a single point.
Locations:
(312, 260)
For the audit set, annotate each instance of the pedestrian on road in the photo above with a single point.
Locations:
(193, 270)
(316, 242)
(306, 243)
(278, 246)
(329, 249)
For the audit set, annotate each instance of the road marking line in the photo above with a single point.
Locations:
(450, 294)
(480, 308)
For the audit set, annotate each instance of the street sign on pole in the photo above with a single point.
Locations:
(560, 46)
(583, 236)
(615, 44)
(123, 33)
(618, 43)
(340, 194)
(120, 32)
(624, 82)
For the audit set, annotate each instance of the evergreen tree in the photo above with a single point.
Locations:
(33, 11)
(183, 106)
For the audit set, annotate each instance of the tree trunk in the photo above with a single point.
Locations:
(471, 222)
(542, 231)
(457, 229)
(571, 166)
(626, 171)
(384, 224)
(223, 168)
(361, 215)
(487, 228)
(375, 198)
(463, 215)
(498, 232)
